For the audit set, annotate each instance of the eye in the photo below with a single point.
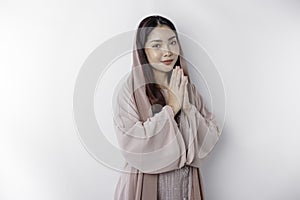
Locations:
(174, 42)
(156, 45)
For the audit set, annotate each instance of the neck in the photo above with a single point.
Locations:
(161, 78)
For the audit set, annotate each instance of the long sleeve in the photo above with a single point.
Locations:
(153, 146)
(201, 131)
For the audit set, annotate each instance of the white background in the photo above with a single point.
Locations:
(254, 44)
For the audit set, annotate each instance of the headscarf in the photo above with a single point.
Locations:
(149, 186)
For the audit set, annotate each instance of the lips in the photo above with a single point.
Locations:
(167, 62)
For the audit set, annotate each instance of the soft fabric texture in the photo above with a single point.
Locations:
(152, 143)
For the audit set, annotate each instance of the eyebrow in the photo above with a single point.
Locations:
(161, 40)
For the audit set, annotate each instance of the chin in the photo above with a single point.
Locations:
(169, 68)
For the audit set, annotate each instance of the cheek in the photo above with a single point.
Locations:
(154, 55)
(175, 50)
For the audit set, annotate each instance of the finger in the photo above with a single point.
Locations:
(186, 97)
(186, 89)
(178, 77)
(172, 79)
(174, 83)
(183, 83)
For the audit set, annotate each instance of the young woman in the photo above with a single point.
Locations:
(163, 127)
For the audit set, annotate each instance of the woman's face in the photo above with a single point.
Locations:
(162, 45)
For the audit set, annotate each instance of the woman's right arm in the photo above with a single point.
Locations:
(153, 146)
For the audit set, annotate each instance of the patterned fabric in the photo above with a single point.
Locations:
(175, 184)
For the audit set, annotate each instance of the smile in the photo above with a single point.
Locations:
(167, 62)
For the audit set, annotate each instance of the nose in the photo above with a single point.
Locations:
(167, 51)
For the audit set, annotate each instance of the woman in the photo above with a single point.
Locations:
(162, 125)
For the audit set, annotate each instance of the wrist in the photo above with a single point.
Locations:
(175, 110)
(187, 109)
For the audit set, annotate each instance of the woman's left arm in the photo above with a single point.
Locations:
(201, 130)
